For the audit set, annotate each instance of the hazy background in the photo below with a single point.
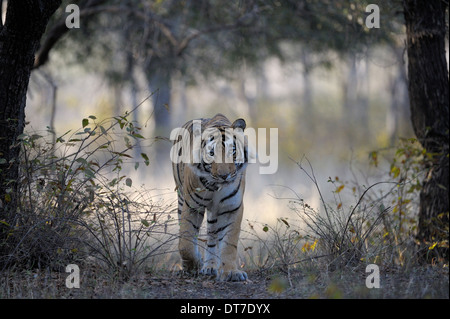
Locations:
(335, 92)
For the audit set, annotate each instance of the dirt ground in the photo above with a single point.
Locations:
(425, 282)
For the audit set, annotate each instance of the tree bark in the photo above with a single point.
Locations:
(20, 34)
(160, 86)
(159, 83)
(429, 94)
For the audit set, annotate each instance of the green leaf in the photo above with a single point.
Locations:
(266, 228)
(103, 130)
(145, 223)
(146, 160)
(136, 135)
(128, 182)
(89, 173)
(85, 122)
(121, 154)
(22, 136)
(285, 222)
(35, 137)
(81, 161)
(119, 120)
(92, 117)
(60, 139)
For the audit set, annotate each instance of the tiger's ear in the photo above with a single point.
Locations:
(239, 123)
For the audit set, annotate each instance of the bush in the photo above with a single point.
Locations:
(364, 224)
(73, 202)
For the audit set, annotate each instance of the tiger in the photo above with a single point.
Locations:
(210, 176)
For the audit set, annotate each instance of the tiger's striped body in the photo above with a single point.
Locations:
(217, 188)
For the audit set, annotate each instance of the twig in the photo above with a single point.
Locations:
(357, 204)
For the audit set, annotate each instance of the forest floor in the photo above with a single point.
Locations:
(419, 282)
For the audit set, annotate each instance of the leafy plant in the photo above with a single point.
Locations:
(407, 168)
(73, 202)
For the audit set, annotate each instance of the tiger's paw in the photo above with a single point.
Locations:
(208, 270)
(233, 275)
(191, 266)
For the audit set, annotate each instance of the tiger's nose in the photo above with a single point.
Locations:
(224, 176)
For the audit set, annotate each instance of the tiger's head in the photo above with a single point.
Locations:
(223, 150)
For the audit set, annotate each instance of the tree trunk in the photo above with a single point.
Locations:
(308, 107)
(398, 113)
(160, 86)
(24, 26)
(159, 81)
(137, 149)
(428, 92)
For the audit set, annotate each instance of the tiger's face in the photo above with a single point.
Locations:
(222, 152)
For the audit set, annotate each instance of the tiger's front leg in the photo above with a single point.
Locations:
(228, 237)
(190, 222)
(212, 261)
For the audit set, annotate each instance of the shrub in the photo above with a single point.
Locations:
(73, 201)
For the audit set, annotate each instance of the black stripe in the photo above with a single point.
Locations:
(220, 239)
(230, 211)
(193, 225)
(218, 230)
(231, 245)
(187, 204)
(209, 186)
(191, 192)
(190, 188)
(199, 210)
(211, 246)
(192, 197)
(245, 153)
(178, 173)
(212, 221)
(202, 198)
(206, 168)
(234, 192)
